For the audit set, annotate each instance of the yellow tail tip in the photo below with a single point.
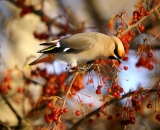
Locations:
(27, 66)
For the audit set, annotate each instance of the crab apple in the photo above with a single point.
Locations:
(61, 111)
(118, 115)
(158, 117)
(99, 86)
(109, 117)
(78, 113)
(141, 28)
(114, 94)
(146, 13)
(149, 105)
(109, 90)
(98, 91)
(47, 119)
(65, 110)
(121, 90)
(139, 18)
(91, 105)
(55, 118)
(150, 54)
(49, 104)
(125, 68)
(90, 121)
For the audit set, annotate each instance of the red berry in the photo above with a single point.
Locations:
(150, 55)
(98, 91)
(49, 105)
(98, 115)
(114, 94)
(125, 68)
(20, 90)
(121, 90)
(65, 110)
(158, 117)
(78, 113)
(141, 28)
(90, 120)
(61, 111)
(132, 120)
(99, 86)
(109, 117)
(149, 105)
(109, 90)
(55, 118)
(135, 16)
(91, 105)
(118, 115)
(9, 87)
(146, 13)
(139, 18)
(135, 13)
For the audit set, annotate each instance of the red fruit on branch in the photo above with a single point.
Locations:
(98, 91)
(141, 28)
(90, 121)
(149, 105)
(146, 13)
(109, 117)
(65, 110)
(78, 113)
(125, 68)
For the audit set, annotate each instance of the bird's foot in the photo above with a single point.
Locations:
(84, 68)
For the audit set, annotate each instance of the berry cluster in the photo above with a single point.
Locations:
(139, 13)
(54, 83)
(146, 61)
(136, 102)
(26, 10)
(5, 84)
(115, 90)
(126, 38)
(77, 85)
(54, 113)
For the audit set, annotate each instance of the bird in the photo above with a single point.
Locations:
(82, 48)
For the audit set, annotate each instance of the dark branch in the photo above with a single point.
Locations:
(108, 103)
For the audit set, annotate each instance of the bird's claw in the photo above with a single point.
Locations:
(84, 68)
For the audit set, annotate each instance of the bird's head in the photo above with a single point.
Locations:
(117, 49)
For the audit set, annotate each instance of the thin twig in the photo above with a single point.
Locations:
(3, 125)
(11, 107)
(140, 21)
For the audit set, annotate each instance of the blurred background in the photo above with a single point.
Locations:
(24, 24)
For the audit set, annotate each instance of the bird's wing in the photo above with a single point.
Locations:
(72, 44)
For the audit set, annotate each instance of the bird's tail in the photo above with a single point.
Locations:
(42, 58)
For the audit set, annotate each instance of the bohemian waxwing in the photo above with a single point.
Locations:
(82, 47)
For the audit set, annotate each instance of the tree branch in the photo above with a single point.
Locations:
(140, 21)
(108, 103)
(11, 107)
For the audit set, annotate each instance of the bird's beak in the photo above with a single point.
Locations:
(119, 60)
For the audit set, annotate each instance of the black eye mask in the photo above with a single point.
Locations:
(116, 57)
(116, 51)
